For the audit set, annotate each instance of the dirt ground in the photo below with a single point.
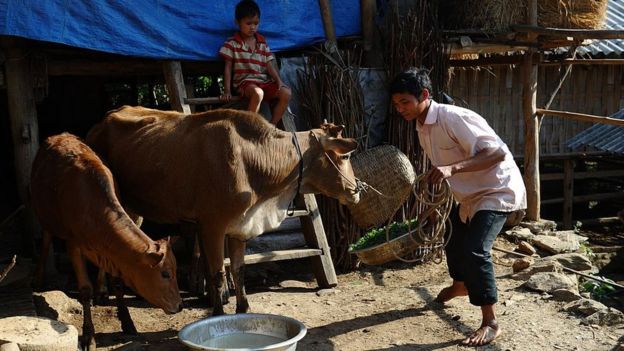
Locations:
(374, 308)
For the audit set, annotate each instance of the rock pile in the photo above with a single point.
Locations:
(545, 273)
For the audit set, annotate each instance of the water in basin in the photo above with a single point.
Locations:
(242, 340)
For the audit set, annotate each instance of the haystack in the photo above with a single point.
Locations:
(498, 15)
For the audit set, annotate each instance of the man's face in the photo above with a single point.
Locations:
(249, 26)
(409, 106)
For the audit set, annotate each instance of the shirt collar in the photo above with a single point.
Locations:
(259, 38)
(432, 113)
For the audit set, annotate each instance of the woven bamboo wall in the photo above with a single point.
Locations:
(496, 94)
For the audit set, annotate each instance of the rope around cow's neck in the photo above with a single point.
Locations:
(291, 207)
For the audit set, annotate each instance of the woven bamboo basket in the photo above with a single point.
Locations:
(391, 250)
(387, 170)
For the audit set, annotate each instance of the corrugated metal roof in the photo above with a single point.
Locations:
(601, 136)
(614, 20)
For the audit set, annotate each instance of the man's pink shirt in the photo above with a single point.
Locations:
(451, 134)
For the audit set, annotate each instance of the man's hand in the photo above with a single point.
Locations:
(437, 174)
(225, 97)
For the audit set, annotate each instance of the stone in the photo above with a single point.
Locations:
(293, 284)
(38, 333)
(566, 295)
(526, 248)
(554, 245)
(520, 233)
(327, 292)
(549, 282)
(610, 317)
(522, 264)
(10, 346)
(574, 260)
(539, 226)
(570, 235)
(537, 267)
(585, 306)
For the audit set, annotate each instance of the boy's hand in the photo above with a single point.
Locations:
(225, 97)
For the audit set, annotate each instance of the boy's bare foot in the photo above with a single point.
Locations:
(451, 292)
(484, 335)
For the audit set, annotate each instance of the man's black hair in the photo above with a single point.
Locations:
(246, 8)
(412, 81)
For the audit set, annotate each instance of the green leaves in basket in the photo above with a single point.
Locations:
(378, 236)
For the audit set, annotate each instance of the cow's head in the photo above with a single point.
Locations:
(327, 166)
(154, 277)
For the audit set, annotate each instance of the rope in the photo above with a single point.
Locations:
(432, 221)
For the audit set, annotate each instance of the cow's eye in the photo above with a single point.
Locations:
(165, 274)
(345, 157)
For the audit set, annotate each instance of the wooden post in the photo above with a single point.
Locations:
(24, 129)
(568, 192)
(372, 54)
(531, 126)
(175, 86)
(328, 23)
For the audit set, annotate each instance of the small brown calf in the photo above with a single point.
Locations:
(75, 199)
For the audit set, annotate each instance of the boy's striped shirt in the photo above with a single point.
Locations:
(248, 64)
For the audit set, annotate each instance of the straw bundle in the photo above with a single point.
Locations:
(498, 15)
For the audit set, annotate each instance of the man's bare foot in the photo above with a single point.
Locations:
(484, 335)
(451, 292)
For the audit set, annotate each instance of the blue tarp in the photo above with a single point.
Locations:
(168, 29)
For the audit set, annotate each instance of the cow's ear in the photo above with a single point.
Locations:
(336, 131)
(339, 145)
(156, 253)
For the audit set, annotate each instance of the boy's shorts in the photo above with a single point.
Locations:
(270, 88)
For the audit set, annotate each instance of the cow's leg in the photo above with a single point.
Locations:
(45, 249)
(127, 326)
(212, 243)
(87, 341)
(101, 289)
(236, 249)
(196, 277)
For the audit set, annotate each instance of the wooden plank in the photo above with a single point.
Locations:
(574, 33)
(208, 100)
(584, 175)
(175, 86)
(314, 233)
(568, 193)
(582, 117)
(279, 255)
(585, 198)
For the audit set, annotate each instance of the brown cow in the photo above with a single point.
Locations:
(230, 171)
(75, 199)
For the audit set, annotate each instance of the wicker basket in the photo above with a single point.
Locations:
(388, 170)
(396, 248)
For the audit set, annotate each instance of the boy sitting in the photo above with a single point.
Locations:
(249, 56)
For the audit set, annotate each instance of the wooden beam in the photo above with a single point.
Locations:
(584, 175)
(583, 62)
(175, 86)
(574, 33)
(531, 126)
(24, 131)
(585, 198)
(328, 22)
(581, 117)
(481, 48)
(212, 100)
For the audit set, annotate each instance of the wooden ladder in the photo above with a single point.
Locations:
(307, 209)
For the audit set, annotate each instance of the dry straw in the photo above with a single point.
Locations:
(498, 15)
